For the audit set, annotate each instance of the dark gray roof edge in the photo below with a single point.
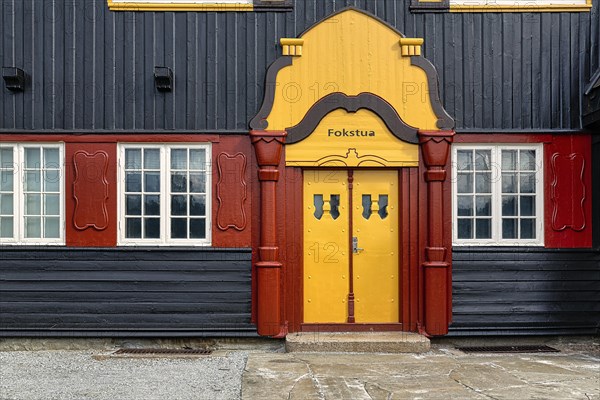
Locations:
(594, 83)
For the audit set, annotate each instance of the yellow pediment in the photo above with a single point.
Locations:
(358, 139)
(351, 52)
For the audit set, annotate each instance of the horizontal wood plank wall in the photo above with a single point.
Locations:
(125, 292)
(504, 291)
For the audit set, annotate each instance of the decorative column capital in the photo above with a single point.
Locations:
(268, 146)
(411, 46)
(435, 146)
(292, 46)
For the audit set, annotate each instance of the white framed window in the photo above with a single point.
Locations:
(164, 194)
(498, 194)
(31, 193)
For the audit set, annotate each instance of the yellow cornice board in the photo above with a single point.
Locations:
(351, 52)
(528, 7)
(145, 6)
(358, 139)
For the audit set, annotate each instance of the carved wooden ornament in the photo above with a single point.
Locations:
(231, 191)
(90, 205)
(568, 192)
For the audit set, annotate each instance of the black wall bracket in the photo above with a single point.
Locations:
(163, 79)
(14, 78)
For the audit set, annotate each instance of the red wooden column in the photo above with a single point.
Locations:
(435, 146)
(268, 147)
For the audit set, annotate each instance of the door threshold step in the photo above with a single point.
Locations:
(356, 342)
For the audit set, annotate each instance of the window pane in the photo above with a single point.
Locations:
(179, 159)
(51, 227)
(133, 228)
(509, 228)
(52, 180)
(151, 159)
(151, 205)
(152, 228)
(483, 228)
(197, 183)
(52, 204)
(6, 157)
(465, 160)
(152, 182)
(133, 182)
(527, 160)
(133, 159)
(509, 160)
(527, 183)
(179, 182)
(483, 205)
(197, 159)
(7, 181)
(51, 158)
(509, 183)
(32, 158)
(179, 228)
(465, 205)
(133, 204)
(528, 228)
(483, 160)
(32, 181)
(527, 206)
(6, 204)
(483, 182)
(179, 205)
(198, 228)
(465, 228)
(6, 227)
(464, 184)
(33, 227)
(33, 204)
(197, 205)
(509, 206)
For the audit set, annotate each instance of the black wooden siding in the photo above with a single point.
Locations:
(525, 291)
(91, 68)
(126, 291)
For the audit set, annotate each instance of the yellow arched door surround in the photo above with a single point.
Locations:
(351, 96)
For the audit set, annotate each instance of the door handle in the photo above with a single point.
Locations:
(355, 248)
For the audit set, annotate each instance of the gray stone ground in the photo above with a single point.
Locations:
(439, 374)
(66, 375)
(261, 371)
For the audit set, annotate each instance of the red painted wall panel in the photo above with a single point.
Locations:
(91, 194)
(568, 191)
(234, 181)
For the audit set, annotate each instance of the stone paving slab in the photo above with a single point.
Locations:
(443, 373)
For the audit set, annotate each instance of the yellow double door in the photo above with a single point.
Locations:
(351, 260)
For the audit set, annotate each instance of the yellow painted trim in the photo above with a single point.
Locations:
(292, 42)
(140, 6)
(463, 8)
